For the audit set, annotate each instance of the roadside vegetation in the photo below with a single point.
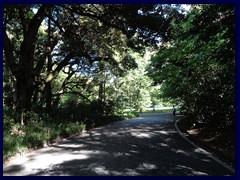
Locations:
(72, 67)
(197, 71)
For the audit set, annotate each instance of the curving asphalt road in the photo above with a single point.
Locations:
(145, 146)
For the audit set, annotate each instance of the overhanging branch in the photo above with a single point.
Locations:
(72, 92)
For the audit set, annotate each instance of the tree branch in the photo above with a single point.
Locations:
(36, 22)
(80, 12)
(28, 44)
(63, 63)
(8, 51)
(72, 92)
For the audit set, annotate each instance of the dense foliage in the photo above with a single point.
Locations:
(72, 66)
(197, 67)
(81, 41)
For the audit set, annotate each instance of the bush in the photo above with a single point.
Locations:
(54, 133)
(12, 145)
(73, 128)
(39, 129)
(130, 114)
(14, 138)
(92, 114)
(37, 134)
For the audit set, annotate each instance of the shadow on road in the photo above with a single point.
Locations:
(148, 146)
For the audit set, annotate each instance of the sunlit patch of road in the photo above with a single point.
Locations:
(149, 145)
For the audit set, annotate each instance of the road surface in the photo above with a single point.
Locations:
(145, 146)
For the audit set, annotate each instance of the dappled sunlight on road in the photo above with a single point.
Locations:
(37, 162)
(141, 135)
(141, 146)
(163, 132)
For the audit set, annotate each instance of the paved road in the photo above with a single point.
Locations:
(148, 145)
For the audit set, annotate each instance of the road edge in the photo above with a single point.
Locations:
(210, 155)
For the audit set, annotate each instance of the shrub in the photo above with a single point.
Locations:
(72, 128)
(13, 143)
(37, 135)
(54, 133)
(129, 115)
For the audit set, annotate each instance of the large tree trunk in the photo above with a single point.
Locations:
(23, 71)
(24, 92)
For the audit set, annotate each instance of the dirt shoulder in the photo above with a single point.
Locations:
(220, 142)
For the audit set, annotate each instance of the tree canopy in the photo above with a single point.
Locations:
(197, 67)
(41, 41)
(73, 66)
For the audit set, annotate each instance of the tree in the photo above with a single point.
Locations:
(133, 91)
(38, 46)
(196, 68)
(22, 64)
